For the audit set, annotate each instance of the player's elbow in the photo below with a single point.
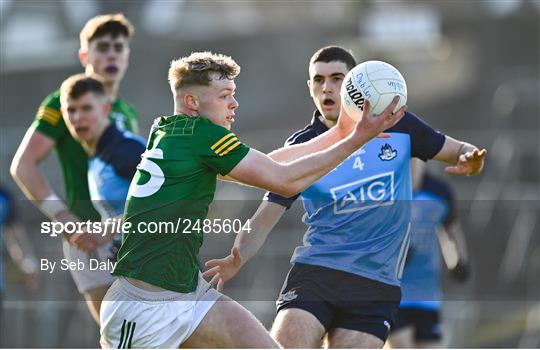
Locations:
(16, 167)
(21, 164)
(288, 189)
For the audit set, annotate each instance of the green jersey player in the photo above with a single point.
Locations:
(159, 298)
(104, 51)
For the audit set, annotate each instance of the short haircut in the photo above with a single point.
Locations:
(334, 53)
(80, 84)
(100, 26)
(199, 68)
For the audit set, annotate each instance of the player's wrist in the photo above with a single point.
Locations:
(52, 206)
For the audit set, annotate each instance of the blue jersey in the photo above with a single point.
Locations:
(111, 169)
(358, 215)
(7, 214)
(433, 207)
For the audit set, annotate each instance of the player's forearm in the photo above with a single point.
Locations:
(306, 170)
(321, 142)
(452, 149)
(455, 233)
(20, 249)
(262, 222)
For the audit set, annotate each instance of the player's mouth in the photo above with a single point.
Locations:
(81, 131)
(328, 102)
(230, 118)
(111, 69)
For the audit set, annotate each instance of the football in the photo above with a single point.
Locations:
(376, 81)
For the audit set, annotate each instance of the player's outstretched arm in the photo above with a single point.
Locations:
(246, 245)
(343, 128)
(257, 169)
(467, 159)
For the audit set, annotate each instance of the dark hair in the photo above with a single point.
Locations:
(100, 26)
(334, 53)
(80, 84)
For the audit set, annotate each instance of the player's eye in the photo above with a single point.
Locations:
(318, 80)
(70, 110)
(118, 48)
(86, 108)
(103, 47)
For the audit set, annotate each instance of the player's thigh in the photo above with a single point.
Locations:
(297, 328)
(341, 338)
(229, 325)
(402, 338)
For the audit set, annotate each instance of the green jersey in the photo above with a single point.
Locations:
(73, 158)
(174, 184)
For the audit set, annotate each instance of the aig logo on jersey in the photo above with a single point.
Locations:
(387, 153)
(371, 192)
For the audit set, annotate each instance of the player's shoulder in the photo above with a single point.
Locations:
(310, 131)
(205, 130)
(128, 107)
(407, 124)
(52, 100)
(48, 116)
(438, 186)
(130, 143)
(301, 136)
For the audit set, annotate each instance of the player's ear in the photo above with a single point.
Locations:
(107, 108)
(83, 57)
(191, 101)
(309, 87)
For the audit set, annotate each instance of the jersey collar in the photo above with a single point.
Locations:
(317, 124)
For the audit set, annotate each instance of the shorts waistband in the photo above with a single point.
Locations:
(145, 295)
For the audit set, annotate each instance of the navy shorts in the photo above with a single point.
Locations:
(426, 323)
(341, 299)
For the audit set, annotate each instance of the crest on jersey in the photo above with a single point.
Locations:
(387, 152)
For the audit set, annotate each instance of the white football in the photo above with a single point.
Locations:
(376, 81)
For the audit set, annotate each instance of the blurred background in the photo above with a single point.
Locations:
(472, 69)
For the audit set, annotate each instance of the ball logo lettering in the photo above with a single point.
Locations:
(355, 95)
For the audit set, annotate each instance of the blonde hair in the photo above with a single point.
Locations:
(199, 68)
(102, 25)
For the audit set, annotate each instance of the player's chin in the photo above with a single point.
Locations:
(331, 114)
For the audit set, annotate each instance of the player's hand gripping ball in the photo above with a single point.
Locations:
(376, 81)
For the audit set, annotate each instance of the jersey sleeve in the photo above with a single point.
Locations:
(220, 149)
(426, 142)
(48, 118)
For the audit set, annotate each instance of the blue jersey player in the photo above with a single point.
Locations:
(344, 285)
(112, 160)
(433, 214)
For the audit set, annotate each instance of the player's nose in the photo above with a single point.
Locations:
(327, 87)
(234, 104)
